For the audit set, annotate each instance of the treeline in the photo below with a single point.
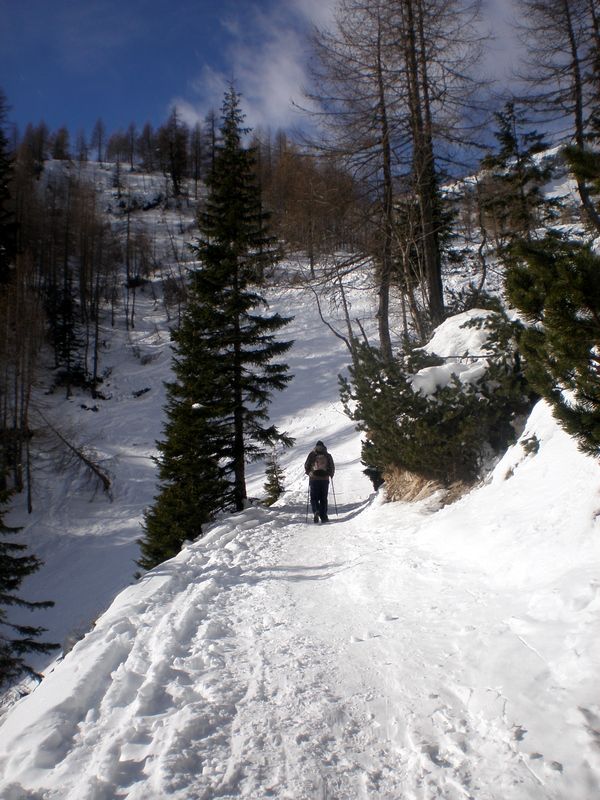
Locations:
(312, 197)
(314, 201)
(173, 148)
(61, 262)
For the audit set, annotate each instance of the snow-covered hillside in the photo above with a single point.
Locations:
(400, 652)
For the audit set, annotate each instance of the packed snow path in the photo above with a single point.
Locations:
(278, 658)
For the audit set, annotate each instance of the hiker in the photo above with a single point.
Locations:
(320, 468)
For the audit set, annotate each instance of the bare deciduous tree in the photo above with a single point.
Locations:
(561, 68)
(98, 140)
(392, 86)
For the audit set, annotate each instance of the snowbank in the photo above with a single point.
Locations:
(536, 518)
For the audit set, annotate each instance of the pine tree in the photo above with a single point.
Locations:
(224, 354)
(8, 236)
(16, 640)
(443, 436)
(515, 176)
(65, 333)
(555, 283)
(273, 485)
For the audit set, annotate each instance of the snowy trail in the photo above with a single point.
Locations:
(282, 659)
(357, 648)
(379, 681)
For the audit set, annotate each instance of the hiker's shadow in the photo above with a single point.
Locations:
(343, 513)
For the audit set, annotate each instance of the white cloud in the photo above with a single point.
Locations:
(316, 12)
(267, 53)
(209, 88)
(269, 78)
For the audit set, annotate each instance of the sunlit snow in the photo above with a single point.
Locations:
(404, 651)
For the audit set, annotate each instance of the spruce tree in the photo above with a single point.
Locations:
(555, 283)
(273, 485)
(443, 436)
(16, 640)
(514, 177)
(8, 234)
(224, 358)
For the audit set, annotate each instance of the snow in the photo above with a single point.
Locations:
(403, 651)
(458, 336)
(464, 349)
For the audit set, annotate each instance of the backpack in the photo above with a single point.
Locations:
(320, 466)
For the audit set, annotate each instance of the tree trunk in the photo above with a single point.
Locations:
(385, 277)
(239, 465)
(582, 187)
(423, 158)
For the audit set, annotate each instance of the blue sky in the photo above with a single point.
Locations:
(72, 61)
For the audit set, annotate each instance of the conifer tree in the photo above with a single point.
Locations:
(443, 436)
(555, 283)
(514, 177)
(193, 481)
(16, 640)
(7, 220)
(273, 485)
(224, 358)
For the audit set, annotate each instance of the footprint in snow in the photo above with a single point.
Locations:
(519, 733)
(368, 635)
(433, 751)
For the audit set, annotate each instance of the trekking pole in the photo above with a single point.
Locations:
(334, 499)
(307, 502)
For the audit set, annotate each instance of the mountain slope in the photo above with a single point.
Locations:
(402, 651)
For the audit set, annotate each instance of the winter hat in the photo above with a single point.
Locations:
(319, 444)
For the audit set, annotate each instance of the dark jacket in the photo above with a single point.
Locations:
(316, 473)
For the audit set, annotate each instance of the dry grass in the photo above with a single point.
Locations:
(409, 487)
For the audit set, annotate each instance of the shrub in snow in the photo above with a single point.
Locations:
(438, 417)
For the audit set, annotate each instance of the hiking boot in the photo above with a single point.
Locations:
(324, 519)
(316, 518)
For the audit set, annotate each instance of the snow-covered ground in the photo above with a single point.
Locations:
(403, 652)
